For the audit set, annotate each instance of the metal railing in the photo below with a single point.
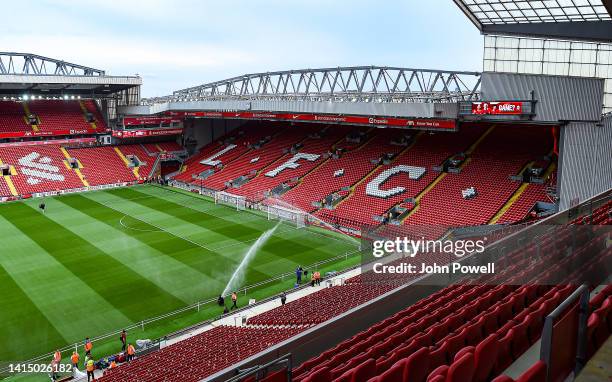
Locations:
(260, 371)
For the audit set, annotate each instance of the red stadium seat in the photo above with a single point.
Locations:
(363, 372)
(417, 366)
(461, 370)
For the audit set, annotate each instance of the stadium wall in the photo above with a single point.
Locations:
(585, 163)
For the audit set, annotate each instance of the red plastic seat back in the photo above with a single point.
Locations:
(536, 373)
(462, 370)
(485, 357)
(417, 366)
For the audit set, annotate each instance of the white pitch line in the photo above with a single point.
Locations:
(216, 249)
(135, 229)
(292, 228)
(161, 229)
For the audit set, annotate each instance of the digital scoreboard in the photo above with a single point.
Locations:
(497, 108)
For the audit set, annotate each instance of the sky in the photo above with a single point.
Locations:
(176, 44)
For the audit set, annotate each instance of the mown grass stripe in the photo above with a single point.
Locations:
(65, 300)
(124, 289)
(203, 220)
(196, 262)
(282, 253)
(221, 263)
(233, 230)
(23, 327)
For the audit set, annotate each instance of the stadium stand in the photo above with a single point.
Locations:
(313, 149)
(91, 107)
(13, 117)
(199, 356)
(518, 210)
(321, 306)
(50, 115)
(161, 146)
(251, 163)
(35, 168)
(355, 164)
(235, 144)
(103, 165)
(59, 115)
(39, 168)
(5, 191)
(344, 170)
(440, 330)
(501, 154)
(138, 154)
(427, 151)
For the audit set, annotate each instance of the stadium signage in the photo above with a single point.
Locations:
(52, 142)
(145, 133)
(146, 120)
(497, 108)
(422, 123)
(26, 134)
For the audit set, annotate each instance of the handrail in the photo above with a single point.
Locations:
(287, 358)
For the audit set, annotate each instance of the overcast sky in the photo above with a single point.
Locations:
(177, 44)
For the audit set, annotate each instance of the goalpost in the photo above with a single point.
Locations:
(230, 199)
(296, 217)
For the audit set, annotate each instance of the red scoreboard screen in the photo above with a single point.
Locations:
(497, 107)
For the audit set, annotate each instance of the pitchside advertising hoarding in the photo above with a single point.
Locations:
(416, 123)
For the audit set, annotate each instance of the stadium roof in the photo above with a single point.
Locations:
(571, 19)
(341, 84)
(26, 73)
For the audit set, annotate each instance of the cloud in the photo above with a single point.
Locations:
(180, 43)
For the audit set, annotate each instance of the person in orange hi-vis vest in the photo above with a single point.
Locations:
(90, 367)
(131, 351)
(88, 346)
(74, 358)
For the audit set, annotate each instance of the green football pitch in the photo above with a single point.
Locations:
(96, 262)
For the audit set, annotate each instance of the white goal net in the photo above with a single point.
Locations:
(237, 201)
(296, 217)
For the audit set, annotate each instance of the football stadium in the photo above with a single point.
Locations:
(342, 223)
